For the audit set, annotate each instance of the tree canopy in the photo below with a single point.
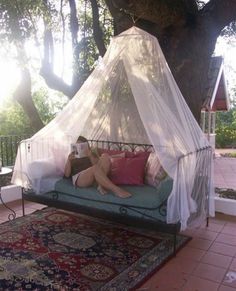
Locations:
(80, 30)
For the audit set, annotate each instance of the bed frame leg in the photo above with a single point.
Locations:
(23, 203)
(207, 221)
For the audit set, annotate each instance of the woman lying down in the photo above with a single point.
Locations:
(91, 169)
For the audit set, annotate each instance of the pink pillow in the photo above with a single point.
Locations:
(137, 154)
(128, 171)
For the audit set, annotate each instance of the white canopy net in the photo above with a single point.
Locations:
(132, 97)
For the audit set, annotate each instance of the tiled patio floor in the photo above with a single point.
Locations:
(206, 263)
(225, 172)
(225, 169)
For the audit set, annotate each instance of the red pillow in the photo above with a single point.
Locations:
(128, 154)
(128, 171)
(137, 154)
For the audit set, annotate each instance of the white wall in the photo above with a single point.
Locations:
(10, 193)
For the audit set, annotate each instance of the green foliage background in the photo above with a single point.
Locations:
(14, 121)
(226, 128)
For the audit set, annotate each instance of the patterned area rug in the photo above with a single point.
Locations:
(57, 250)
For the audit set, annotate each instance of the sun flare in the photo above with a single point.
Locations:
(9, 78)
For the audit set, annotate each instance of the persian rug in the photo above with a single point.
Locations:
(52, 249)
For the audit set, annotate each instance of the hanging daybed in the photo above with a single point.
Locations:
(131, 99)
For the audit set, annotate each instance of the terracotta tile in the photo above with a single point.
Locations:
(226, 239)
(229, 230)
(206, 234)
(183, 265)
(217, 260)
(199, 243)
(230, 181)
(191, 253)
(161, 280)
(227, 172)
(223, 249)
(4, 214)
(226, 288)
(231, 185)
(209, 272)
(15, 204)
(230, 279)
(233, 265)
(216, 220)
(199, 284)
(213, 227)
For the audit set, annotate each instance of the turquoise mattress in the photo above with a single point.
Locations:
(144, 202)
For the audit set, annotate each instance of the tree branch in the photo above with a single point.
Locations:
(22, 93)
(55, 82)
(48, 47)
(77, 79)
(63, 36)
(23, 96)
(74, 25)
(97, 31)
(47, 71)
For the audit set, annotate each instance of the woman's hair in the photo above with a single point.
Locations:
(82, 139)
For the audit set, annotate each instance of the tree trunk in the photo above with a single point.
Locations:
(97, 31)
(23, 96)
(186, 35)
(47, 68)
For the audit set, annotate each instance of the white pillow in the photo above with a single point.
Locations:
(43, 168)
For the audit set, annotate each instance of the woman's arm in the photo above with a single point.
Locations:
(67, 171)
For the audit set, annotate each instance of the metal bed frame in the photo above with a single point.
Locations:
(147, 222)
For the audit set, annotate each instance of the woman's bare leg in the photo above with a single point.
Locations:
(105, 164)
(86, 178)
(106, 183)
(99, 173)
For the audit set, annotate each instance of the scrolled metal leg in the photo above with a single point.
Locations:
(55, 195)
(123, 210)
(12, 215)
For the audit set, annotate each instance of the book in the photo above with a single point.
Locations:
(80, 149)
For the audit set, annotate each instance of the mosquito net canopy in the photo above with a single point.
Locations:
(131, 96)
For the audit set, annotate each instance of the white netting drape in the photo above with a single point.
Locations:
(131, 96)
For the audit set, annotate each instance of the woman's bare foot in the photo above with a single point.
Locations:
(122, 193)
(101, 190)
